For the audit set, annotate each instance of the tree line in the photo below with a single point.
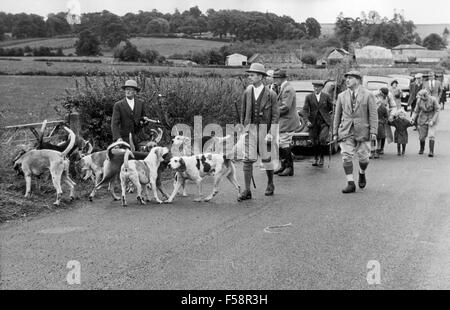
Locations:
(112, 29)
(372, 29)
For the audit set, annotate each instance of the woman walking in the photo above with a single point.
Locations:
(427, 115)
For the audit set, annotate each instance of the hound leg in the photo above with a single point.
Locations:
(155, 193)
(176, 188)
(71, 184)
(27, 185)
(123, 185)
(135, 180)
(199, 188)
(57, 184)
(111, 189)
(232, 178)
(147, 188)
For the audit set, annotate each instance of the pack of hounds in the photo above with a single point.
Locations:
(121, 163)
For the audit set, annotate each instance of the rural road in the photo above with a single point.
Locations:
(401, 220)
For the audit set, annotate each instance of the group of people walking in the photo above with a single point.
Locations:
(361, 122)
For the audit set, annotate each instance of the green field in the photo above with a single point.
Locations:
(165, 46)
(170, 46)
(52, 43)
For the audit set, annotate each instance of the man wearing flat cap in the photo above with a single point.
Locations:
(414, 89)
(128, 114)
(259, 108)
(289, 122)
(355, 126)
(317, 110)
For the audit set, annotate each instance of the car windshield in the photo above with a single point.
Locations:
(375, 85)
(300, 96)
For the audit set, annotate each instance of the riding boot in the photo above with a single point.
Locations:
(422, 147)
(316, 155)
(270, 186)
(289, 171)
(399, 149)
(248, 173)
(431, 154)
(282, 161)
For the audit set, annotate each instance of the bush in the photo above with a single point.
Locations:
(129, 52)
(88, 44)
(309, 59)
(185, 97)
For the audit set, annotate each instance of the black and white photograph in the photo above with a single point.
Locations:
(225, 150)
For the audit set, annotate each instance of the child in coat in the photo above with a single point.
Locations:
(383, 117)
(401, 121)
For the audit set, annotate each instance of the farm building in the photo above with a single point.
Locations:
(279, 60)
(236, 60)
(337, 55)
(431, 57)
(373, 56)
(406, 52)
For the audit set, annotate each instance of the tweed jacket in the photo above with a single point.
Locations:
(426, 111)
(289, 120)
(436, 90)
(269, 111)
(312, 108)
(360, 123)
(413, 90)
(124, 120)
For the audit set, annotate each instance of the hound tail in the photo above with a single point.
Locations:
(109, 153)
(128, 153)
(72, 139)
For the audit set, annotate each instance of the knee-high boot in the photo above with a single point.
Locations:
(282, 161)
(248, 173)
(431, 154)
(289, 171)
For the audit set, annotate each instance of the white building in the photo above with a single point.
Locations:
(236, 60)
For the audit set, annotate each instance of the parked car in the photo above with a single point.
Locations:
(301, 140)
(374, 82)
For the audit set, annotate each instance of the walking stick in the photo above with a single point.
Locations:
(239, 120)
(332, 120)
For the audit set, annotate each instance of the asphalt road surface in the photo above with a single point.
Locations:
(397, 231)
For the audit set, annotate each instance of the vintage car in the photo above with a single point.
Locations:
(301, 140)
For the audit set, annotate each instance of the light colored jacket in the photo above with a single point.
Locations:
(289, 120)
(360, 123)
(434, 91)
(426, 111)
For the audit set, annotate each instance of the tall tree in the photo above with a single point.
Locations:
(434, 42)
(312, 27)
(88, 44)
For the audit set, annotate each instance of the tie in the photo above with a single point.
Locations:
(353, 101)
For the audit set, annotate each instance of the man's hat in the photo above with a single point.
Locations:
(279, 74)
(384, 90)
(418, 75)
(257, 68)
(354, 73)
(318, 83)
(270, 73)
(131, 83)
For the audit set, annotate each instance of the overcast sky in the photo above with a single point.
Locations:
(325, 11)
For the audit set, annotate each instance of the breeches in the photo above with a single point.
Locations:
(350, 147)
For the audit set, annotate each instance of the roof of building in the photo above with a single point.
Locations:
(409, 47)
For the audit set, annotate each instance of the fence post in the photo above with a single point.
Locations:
(74, 122)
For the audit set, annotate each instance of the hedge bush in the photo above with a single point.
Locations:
(184, 97)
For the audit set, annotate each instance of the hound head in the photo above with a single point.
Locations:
(161, 153)
(181, 140)
(177, 163)
(82, 167)
(16, 161)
